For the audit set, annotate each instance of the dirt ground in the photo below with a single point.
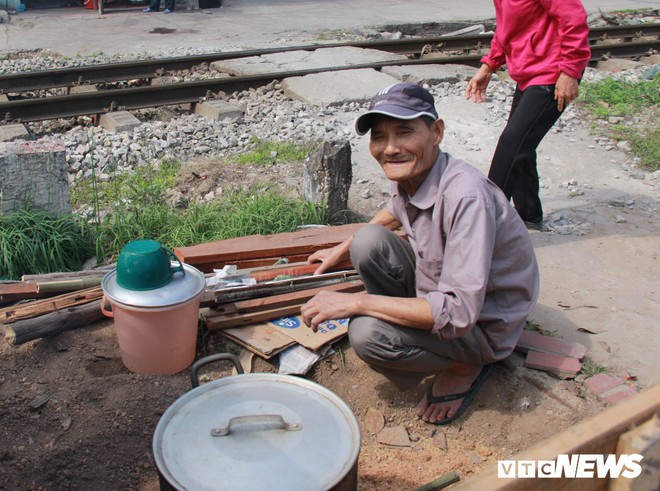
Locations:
(73, 417)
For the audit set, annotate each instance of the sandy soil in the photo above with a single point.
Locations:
(72, 417)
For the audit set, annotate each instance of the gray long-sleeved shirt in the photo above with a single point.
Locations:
(475, 262)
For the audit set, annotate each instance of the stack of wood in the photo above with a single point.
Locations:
(40, 305)
(264, 317)
(60, 301)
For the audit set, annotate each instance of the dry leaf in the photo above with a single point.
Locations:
(604, 345)
(440, 440)
(396, 436)
(373, 421)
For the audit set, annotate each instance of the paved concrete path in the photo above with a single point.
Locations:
(239, 23)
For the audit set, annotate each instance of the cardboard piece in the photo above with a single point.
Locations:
(260, 339)
(295, 328)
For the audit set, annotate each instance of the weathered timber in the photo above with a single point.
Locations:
(62, 320)
(48, 305)
(227, 321)
(297, 270)
(282, 300)
(68, 285)
(228, 251)
(15, 290)
(269, 288)
(64, 275)
(596, 435)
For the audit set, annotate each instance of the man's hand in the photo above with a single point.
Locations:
(328, 305)
(477, 85)
(329, 257)
(566, 91)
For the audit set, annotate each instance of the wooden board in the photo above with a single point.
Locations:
(596, 435)
(46, 306)
(259, 246)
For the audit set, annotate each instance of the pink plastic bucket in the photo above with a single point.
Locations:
(156, 329)
(157, 341)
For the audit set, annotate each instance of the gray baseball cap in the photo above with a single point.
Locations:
(400, 101)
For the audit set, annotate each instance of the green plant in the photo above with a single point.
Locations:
(267, 152)
(638, 101)
(33, 242)
(591, 368)
(610, 97)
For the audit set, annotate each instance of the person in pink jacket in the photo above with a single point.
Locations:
(545, 46)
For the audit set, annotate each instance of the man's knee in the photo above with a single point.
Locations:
(365, 241)
(362, 334)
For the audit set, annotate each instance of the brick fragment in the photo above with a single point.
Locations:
(560, 366)
(598, 384)
(618, 395)
(530, 340)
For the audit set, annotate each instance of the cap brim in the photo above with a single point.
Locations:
(363, 122)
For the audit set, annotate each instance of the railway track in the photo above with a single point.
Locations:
(620, 41)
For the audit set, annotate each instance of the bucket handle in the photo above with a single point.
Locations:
(104, 308)
(256, 422)
(194, 379)
(175, 268)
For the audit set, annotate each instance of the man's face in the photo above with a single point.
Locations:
(405, 149)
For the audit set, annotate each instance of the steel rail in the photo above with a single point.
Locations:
(91, 103)
(146, 69)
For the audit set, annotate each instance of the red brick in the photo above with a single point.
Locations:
(561, 366)
(530, 340)
(619, 395)
(603, 382)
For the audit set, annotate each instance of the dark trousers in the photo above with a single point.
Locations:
(155, 4)
(513, 169)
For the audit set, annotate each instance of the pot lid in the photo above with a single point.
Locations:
(185, 285)
(258, 431)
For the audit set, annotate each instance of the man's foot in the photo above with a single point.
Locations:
(168, 11)
(149, 9)
(451, 393)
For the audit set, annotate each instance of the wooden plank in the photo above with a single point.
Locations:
(284, 299)
(215, 323)
(645, 441)
(299, 270)
(16, 290)
(258, 246)
(46, 306)
(596, 435)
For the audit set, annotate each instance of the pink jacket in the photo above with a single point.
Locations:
(538, 39)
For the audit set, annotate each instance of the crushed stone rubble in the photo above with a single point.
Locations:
(269, 115)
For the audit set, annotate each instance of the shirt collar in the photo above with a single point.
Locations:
(425, 197)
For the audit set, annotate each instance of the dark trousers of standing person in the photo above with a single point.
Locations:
(155, 5)
(513, 168)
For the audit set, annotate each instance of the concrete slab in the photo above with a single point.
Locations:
(303, 60)
(118, 121)
(219, 110)
(431, 74)
(34, 173)
(11, 132)
(337, 88)
(83, 89)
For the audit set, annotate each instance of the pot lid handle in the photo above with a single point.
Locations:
(194, 379)
(257, 422)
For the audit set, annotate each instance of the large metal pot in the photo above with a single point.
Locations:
(257, 431)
